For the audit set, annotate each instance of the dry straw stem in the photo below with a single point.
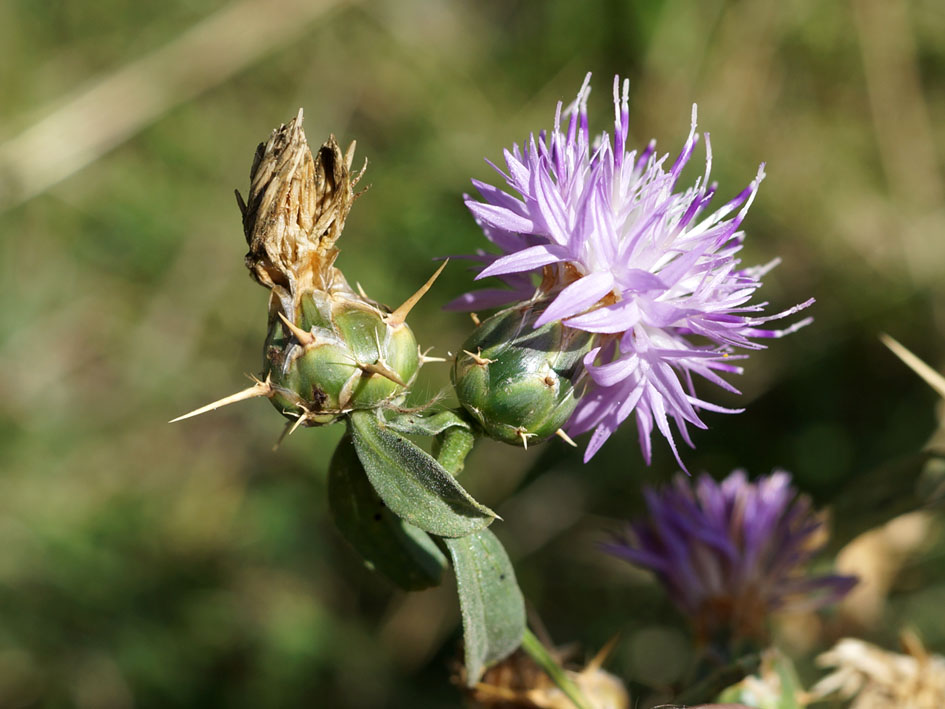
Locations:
(76, 131)
(898, 107)
(929, 375)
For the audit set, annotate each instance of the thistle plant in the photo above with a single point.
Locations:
(619, 288)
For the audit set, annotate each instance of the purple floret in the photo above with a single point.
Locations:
(621, 251)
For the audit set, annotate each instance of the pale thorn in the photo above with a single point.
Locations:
(929, 375)
(382, 369)
(601, 657)
(258, 389)
(424, 359)
(400, 314)
(912, 644)
(475, 318)
(565, 437)
(478, 358)
(289, 428)
(302, 418)
(524, 436)
(361, 290)
(304, 338)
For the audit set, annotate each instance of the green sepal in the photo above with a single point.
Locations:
(411, 483)
(400, 551)
(349, 357)
(491, 603)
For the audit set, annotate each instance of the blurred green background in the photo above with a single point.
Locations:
(152, 565)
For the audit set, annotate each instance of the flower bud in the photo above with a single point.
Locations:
(518, 381)
(341, 354)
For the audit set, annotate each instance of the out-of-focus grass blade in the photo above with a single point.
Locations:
(929, 375)
(539, 653)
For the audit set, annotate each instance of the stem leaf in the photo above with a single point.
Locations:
(400, 551)
(424, 425)
(491, 603)
(411, 483)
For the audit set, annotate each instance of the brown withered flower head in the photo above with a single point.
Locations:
(295, 212)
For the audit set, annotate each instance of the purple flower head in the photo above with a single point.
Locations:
(731, 553)
(615, 247)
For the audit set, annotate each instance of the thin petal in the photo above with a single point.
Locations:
(528, 259)
(577, 297)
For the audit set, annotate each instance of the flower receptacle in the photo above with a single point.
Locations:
(517, 381)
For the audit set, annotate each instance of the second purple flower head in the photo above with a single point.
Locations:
(731, 553)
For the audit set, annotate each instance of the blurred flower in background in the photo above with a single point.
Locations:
(731, 553)
(625, 254)
(875, 678)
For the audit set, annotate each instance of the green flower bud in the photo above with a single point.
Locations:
(517, 381)
(342, 353)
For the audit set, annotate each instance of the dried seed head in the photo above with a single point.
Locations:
(295, 212)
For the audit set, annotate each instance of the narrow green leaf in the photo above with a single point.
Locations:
(491, 603)
(400, 551)
(539, 653)
(412, 484)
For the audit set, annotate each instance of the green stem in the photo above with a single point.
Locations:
(451, 448)
(709, 687)
(539, 653)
